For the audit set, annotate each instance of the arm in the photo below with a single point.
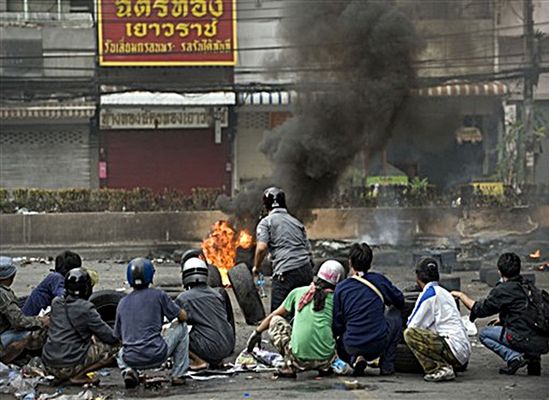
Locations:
(393, 294)
(99, 328)
(338, 320)
(466, 300)
(58, 287)
(255, 337)
(18, 320)
(261, 249)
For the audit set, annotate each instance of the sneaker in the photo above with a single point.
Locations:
(443, 374)
(131, 378)
(534, 366)
(513, 366)
(359, 366)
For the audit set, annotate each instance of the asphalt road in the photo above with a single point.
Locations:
(480, 381)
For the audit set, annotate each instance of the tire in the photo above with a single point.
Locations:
(246, 294)
(228, 307)
(450, 282)
(405, 360)
(492, 277)
(529, 277)
(409, 303)
(483, 272)
(106, 302)
(214, 277)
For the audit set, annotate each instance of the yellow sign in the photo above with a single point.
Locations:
(489, 188)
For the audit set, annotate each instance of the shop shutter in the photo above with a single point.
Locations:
(251, 163)
(47, 157)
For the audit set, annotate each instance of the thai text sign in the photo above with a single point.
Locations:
(163, 118)
(167, 32)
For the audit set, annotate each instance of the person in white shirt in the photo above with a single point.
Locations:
(435, 333)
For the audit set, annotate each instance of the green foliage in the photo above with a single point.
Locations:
(90, 200)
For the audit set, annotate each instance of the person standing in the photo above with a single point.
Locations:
(435, 334)
(512, 337)
(284, 237)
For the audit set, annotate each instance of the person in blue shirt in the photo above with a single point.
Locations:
(364, 330)
(52, 285)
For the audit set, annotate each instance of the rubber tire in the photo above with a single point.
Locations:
(450, 282)
(228, 307)
(106, 302)
(405, 361)
(246, 294)
(492, 277)
(22, 300)
(214, 277)
(483, 272)
(409, 304)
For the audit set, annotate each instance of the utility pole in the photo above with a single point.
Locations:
(525, 158)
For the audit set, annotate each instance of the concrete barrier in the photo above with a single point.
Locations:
(111, 232)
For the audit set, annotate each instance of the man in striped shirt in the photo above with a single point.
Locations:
(435, 334)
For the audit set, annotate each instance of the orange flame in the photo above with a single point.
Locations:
(536, 254)
(220, 246)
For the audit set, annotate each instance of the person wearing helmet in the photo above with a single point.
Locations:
(78, 341)
(362, 327)
(211, 338)
(308, 344)
(284, 237)
(52, 285)
(18, 332)
(139, 319)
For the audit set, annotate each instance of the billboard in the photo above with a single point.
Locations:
(166, 32)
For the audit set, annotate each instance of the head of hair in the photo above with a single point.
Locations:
(427, 270)
(361, 257)
(319, 298)
(509, 265)
(66, 261)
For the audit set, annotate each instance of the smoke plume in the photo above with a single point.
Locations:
(354, 70)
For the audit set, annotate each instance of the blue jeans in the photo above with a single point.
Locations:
(491, 337)
(177, 340)
(11, 336)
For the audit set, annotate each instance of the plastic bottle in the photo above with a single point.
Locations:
(261, 286)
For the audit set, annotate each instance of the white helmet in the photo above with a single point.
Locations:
(194, 271)
(331, 271)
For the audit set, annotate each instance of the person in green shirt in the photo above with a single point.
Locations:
(308, 344)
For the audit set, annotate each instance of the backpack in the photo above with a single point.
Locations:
(537, 310)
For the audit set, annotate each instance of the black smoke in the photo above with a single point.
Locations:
(353, 63)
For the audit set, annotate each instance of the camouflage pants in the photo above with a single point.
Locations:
(280, 332)
(97, 352)
(430, 349)
(26, 340)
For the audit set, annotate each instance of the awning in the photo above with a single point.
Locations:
(49, 111)
(463, 89)
(267, 98)
(168, 99)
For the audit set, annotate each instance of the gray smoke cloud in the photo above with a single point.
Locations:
(354, 62)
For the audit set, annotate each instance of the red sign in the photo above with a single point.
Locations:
(167, 32)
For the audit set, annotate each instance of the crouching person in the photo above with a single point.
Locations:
(308, 344)
(364, 329)
(79, 341)
(513, 337)
(211, 338)
(139, 319)
(435, 334)
(17, 331)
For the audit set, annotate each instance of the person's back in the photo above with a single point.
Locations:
(73, 321)
(286, 238)
(139, 319)
(42, 295)
(312, 337)
(363, 310)
(211, 336)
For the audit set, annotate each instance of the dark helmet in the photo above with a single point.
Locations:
(191, 253)
(195, 271)
(274, 197)
(140, 273)
(78, 283)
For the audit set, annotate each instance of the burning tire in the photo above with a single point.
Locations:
(228, 307)
(246, 294)
(214, 277)
(106, 302)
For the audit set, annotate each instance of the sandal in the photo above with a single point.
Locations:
(285, 374)
(359, 366)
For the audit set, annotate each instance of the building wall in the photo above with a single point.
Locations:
(45, 155)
